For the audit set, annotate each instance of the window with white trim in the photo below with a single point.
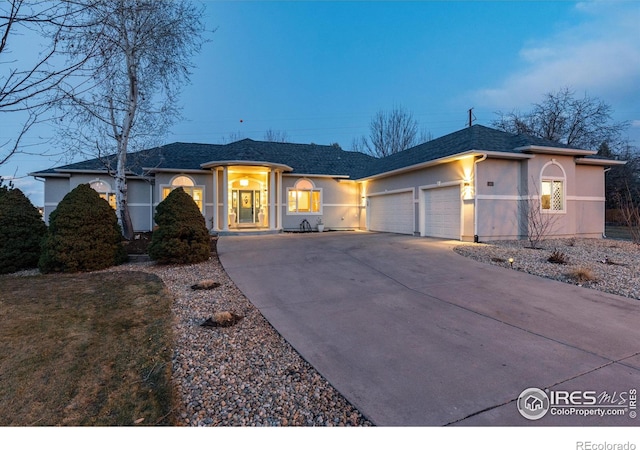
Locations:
(552, 187)
(552, 198)
(187, 185)
(104, 190)
(304, 198)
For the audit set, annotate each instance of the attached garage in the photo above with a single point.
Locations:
(441, 212)
(392, 213)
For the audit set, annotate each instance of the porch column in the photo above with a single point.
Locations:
(216, 214)
(272, 199)
(225, 199)
(279, 200)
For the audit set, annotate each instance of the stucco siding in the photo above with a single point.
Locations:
(468, 231)
(140, 207)
(499, 189)
(499, 177)
(589, 219)
(54, 191)
(590, 181)
(454, 171)
(340, 204)
(498, 219)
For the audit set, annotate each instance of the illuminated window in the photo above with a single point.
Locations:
(552, 198)
(304, 198)
(187, 184)
(103, 188)
(553, 188)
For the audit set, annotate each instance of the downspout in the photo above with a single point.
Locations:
(475, 196)
(151, 186)
(604, 231)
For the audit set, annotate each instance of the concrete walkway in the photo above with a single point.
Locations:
(413, 334)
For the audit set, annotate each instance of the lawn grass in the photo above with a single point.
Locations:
(85, 349)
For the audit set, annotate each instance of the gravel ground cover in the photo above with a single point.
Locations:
(607, 265)
(245, 374)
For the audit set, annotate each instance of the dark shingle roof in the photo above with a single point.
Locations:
(477, 137)
(313, 159)
(303, 158)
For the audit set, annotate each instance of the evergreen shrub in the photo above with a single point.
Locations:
(181, 236)
(21, 231)
(83, 235)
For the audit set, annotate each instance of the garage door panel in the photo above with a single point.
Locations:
(392, 213)
(442, 212)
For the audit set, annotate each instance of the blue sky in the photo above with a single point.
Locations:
(320, 70)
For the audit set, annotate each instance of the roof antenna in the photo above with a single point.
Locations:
(471, 116)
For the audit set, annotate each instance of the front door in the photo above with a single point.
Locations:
(246, 207)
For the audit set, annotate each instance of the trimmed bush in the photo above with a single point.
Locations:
(181, 236)
(83, 235)
(21, 231)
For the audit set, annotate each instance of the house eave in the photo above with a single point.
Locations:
(160, 170)
(49, 175)
(316, 175)
(554, 150)
(90, 171)
(503, 155)
(599, 162)
(68, 172)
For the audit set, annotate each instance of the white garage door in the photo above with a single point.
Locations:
(392, 213)
(442, 212)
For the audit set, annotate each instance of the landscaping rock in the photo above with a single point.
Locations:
(604, 264)
(205, 285)
(222, 319)
(245, 375)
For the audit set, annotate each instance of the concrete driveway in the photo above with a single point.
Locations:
(413, 334)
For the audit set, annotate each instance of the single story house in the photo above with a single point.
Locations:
(474, 184)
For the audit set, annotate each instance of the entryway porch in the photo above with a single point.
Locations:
(246, 197)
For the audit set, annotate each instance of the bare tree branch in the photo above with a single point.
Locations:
(562, 117)
(125, 97)
(389, 132)
(275, 136)
(32, 90)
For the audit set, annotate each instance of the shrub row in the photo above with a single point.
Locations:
(84, 234)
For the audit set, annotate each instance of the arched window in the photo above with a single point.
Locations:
(104, 189)
(189, 186)
(183, 181)
(553, 187)
(304, 198)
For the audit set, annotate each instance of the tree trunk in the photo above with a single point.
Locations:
(124, 219)
(122, 210)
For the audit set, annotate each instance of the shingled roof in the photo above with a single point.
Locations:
(302, 158)
(314, 159)
(474, 138)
